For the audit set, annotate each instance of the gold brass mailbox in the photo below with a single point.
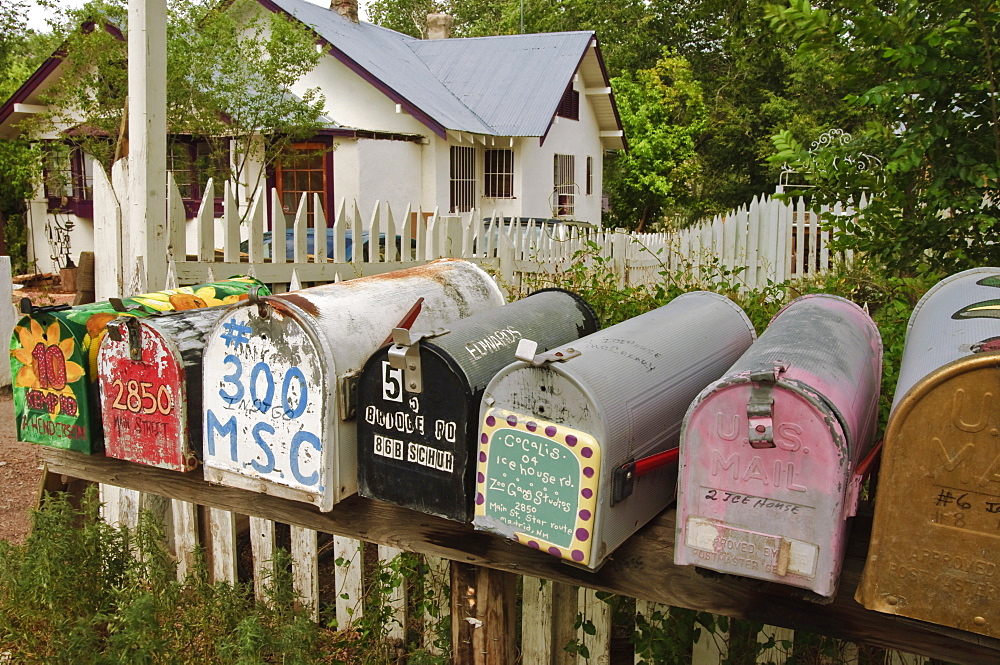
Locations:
(935, 545)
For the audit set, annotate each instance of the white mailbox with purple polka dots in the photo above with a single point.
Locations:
(554, 430)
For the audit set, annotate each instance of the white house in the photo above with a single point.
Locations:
(516, 124)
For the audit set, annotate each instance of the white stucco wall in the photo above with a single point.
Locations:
(353, 102)
(389, 173)
(580, 138)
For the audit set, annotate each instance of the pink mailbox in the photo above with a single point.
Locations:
(772, 454)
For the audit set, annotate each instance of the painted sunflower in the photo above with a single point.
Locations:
(46, 360)
(185, 298)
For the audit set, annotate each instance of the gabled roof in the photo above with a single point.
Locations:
(513, 82)
(508, 85)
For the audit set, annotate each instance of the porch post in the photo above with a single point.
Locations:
(146, 218)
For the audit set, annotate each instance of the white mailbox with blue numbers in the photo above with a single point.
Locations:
(280, 375)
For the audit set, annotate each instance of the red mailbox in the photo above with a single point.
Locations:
(150, 378)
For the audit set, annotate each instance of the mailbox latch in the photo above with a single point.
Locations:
(134, 338)
(760, 408)
(404, 354)
(624, 476)
(527, 352)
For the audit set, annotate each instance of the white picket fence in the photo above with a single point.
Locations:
(765, 241)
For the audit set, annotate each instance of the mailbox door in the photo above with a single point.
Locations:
(144, 401)
(772, 513)
(51, 392)
(935, 546)
(539, 465)
(267, 412)
(413, 448)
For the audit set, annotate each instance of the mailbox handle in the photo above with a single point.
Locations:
(862, 471)
(407, 319)
(625, 475)
(867, 465)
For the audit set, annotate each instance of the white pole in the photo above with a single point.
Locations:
(147, 126)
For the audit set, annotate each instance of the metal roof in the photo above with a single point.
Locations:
(508, 85)
(513, 82)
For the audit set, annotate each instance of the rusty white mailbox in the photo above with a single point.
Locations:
(280, 374)
(772, 454)
(576, 444)
(935, 545)
(418, 400)
(150, 380)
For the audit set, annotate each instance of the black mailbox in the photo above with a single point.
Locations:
(418, 399)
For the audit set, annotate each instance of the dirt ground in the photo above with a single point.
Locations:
(20, 470)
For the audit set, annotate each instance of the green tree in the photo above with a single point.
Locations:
(929, 155)
(21, 51)
(663, 111)
(229, 72)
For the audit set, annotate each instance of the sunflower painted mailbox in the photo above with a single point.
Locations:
(935, 545)
(54, 360)
(418, 400)
(150, 380)
(281, 373)
(578, 444)
(772, 454)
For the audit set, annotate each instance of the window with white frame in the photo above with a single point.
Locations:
(498, 174)
(590, 175)
(463, 178)
(564, 181)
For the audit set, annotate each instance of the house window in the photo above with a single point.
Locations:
(499, 174)
(302, 172)
(590, 175)
(565, 185)
(192, 163)
(69, 180)
(463, 179)
(569, 105)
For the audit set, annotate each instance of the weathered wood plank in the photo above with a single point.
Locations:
(436, 596)
(778, 653)
(222, 535)
(348, 580)
(482, 615)
(305, 568)
(598, 614)
(262, 544)
(642, 568)
(396, 599)
(711, 647)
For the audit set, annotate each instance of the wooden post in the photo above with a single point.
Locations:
(8, 315)
(147, 126)
(482, 615)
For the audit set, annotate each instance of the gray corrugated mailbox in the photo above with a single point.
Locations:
(935, 544)
(418, 401)
(772, 454)
(577, 444)
(280, 375)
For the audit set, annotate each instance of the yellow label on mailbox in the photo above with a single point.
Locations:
(537, 483)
